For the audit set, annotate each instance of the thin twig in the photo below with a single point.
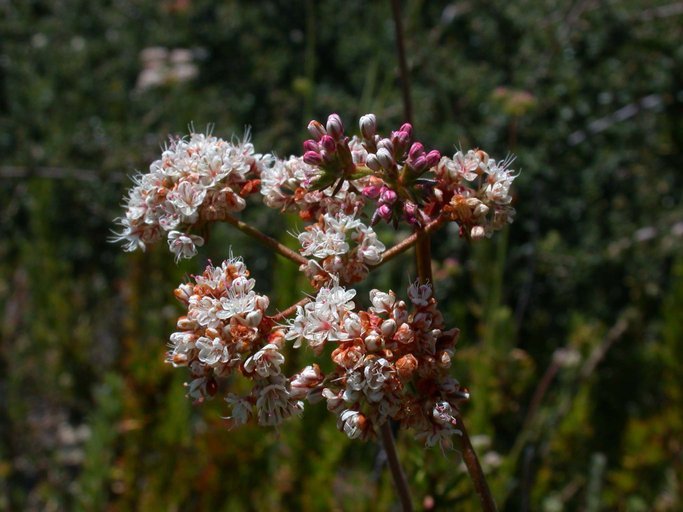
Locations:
(396, 469)
(407, 243)
(474, 468)
(290, 310)
(266, 240)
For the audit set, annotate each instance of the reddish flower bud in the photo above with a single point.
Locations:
(406, 366)
(311, 145)
(313, 158)
(371, 191)
(416, 150)
(328, 144)
(384, 212)
(433, 158)
(388, 196)
(316, 129)
(408, 128)
(401, 140)
(419, 163)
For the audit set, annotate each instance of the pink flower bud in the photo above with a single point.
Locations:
(416, 150)
(384, 212)
(335, 126)
(407, 128)
(313, 158)
(368, 126)
(387, 196)
(316, 129)
(419, 163)
(311, 145)
(433, 158)
(401, 140)
(328, 144)
(371, 191)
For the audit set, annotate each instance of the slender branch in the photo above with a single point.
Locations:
(266, 240)
(408, 242)
(396, 469)
(423, 257)
(290, 310)
(474, 468)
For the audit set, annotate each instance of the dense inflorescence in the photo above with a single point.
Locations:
(390, 361)
(225, 332)
(198, 179)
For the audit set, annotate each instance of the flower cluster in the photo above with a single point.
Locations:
(226, 331)
(479, 211)
(292, 185)
(331, 257)
(390, 362)
(198, 179)
(406, 181)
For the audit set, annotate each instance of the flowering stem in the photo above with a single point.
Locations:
(423, 257)
(408, 242)
(266, 240)
(290, 310)
(423, 261)
(481, 486)
(395, 466)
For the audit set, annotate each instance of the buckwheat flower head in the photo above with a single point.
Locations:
(289, 185)
(198, 179)
(226, 331)
(392, 365)
(341, 248)
(326, 319)
(472, 189)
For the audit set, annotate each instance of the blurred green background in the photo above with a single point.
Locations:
(572, 339)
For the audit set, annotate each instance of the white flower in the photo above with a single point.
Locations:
(279, 182)
(187, 197)
(182, 344)
(304, 382)
(265, 362)
(212, 351)
(324, 319)
(419, 294)
(204, 310)
(241, 409)
(443, 414)
(274, 404)
(499, 179)
(351, 423)
(183, 245)
(382, 302)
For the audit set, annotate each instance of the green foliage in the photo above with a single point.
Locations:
(571, 337)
